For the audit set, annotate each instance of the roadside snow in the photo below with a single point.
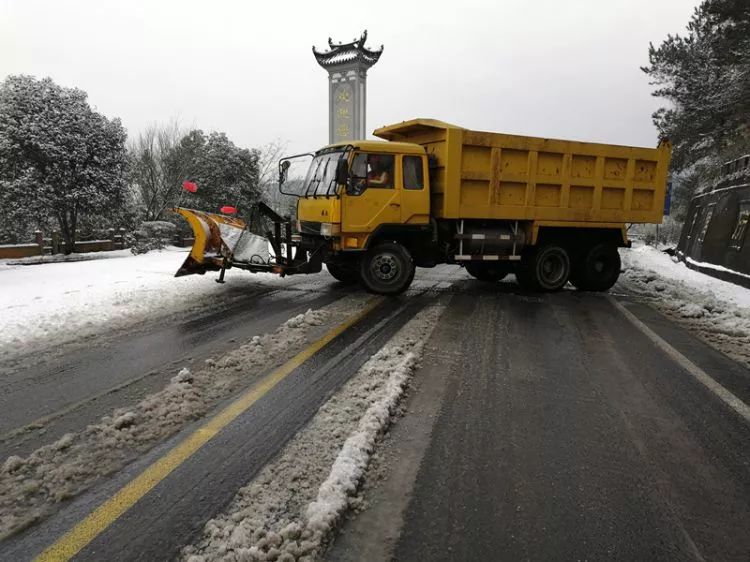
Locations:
(288, 511)
(30, 487)
(716, 310)
(62, 258)
(715, 267)
(49, 304)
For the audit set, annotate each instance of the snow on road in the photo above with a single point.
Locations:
(717, 310)
(30, 487)
(43, 305)
(288, 511)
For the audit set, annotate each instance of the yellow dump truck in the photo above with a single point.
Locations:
(550, 211)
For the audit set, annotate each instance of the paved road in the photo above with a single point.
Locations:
(170, 514)
(41, 400)
(562, 432)
(71, 391)
(539, 428)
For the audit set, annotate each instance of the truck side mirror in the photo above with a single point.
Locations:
(283, 169)
(342, 171)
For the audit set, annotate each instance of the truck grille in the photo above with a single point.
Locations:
(310, 228)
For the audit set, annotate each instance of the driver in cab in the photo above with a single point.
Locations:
(378, 172)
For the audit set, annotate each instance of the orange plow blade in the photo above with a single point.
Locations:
(220, 240)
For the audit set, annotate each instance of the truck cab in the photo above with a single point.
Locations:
(364, 195)
(354, 191)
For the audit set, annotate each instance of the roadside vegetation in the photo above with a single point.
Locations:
(65, 166)
(704, 75)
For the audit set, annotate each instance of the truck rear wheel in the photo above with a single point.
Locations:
(490, 272)
(347, 274)
(546, 268)
(597, 269)
(387, 269)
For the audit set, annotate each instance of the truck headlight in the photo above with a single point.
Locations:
(329, 229)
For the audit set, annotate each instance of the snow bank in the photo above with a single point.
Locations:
(63, 258)
(287, 512)
(719, 268)
(718, 311)
(30, 487)
(44, 305)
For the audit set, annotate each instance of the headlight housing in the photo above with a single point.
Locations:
(328, 229)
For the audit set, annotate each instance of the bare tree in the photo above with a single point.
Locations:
(157, 169)
(268, 168)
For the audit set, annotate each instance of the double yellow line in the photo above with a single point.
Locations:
(84, 532)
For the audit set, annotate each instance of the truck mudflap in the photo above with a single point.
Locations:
(221, 242)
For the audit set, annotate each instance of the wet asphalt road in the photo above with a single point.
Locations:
(540, 427)
(177, 508)
(556, 430)
(71, 391)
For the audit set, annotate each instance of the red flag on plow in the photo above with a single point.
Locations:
(190, 186)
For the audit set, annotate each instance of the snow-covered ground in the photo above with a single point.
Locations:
(49, 304)
(716, 310)
(288, 511)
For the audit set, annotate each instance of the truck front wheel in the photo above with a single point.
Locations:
(387, 269)
(597, 269)
(546, 268)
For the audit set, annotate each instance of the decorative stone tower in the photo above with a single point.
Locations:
(347, 66)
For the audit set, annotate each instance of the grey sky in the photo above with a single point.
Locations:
(566, 69)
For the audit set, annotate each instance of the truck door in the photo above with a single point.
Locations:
(373, 197)
(415, 197)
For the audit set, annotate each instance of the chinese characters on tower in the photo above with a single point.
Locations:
(343, 109)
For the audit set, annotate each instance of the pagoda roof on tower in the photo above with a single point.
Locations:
(346, 53)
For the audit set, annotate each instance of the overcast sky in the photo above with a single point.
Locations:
(553, 68)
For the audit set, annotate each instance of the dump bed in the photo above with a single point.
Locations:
(497, 176)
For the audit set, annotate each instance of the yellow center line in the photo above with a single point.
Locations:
(84, 532)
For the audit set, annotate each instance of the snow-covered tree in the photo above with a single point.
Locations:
(705, 75)
(164, 156)
(58, 157)
(225, 174)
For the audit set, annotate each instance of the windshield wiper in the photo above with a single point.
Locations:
(313, 179)
(331, 184)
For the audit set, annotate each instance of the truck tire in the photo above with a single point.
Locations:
(546, 268)
(387, 269)
(344, 273)
(490, 272)
(598, 268)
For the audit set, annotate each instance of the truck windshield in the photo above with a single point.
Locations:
(321, 176)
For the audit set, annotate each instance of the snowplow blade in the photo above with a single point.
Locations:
(218, 239)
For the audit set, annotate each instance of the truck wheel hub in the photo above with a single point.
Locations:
(552, 268)
(385, 267)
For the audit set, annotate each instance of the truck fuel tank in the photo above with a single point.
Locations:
(479, 239)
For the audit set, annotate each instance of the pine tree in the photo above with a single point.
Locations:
(706, 77)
